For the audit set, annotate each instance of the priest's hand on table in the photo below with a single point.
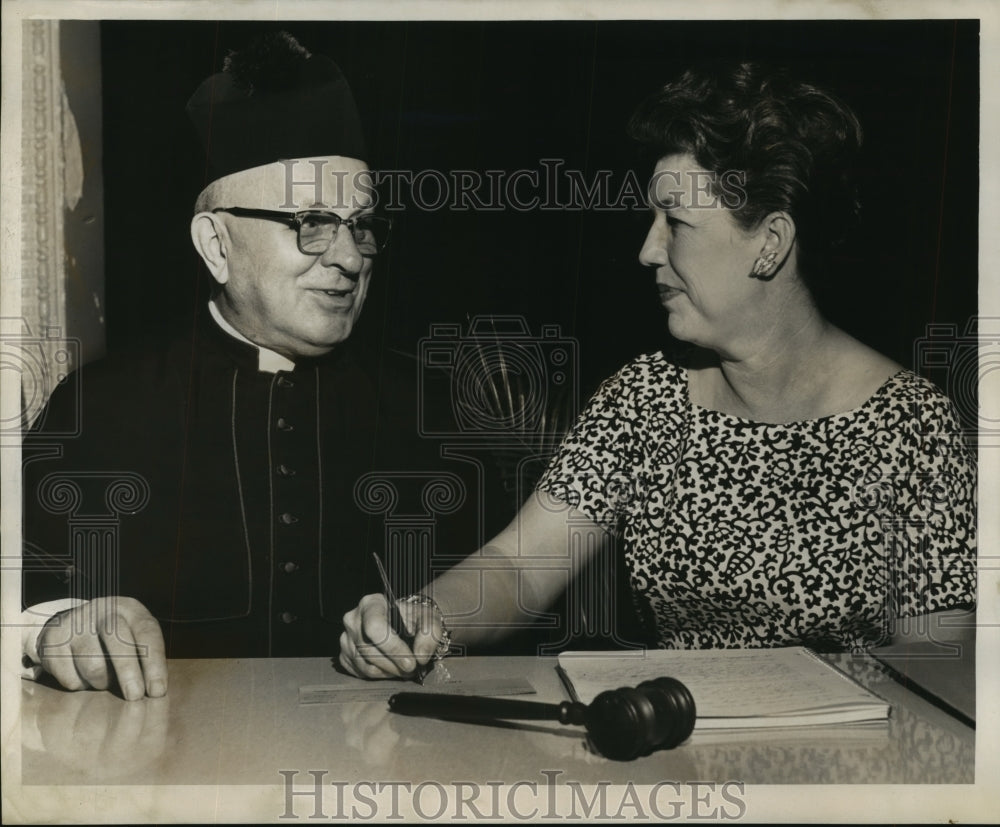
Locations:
(104, 641)
(369, 648)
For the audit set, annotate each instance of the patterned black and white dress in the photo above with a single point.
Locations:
(741, 534)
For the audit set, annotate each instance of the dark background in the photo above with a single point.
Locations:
(503, 95)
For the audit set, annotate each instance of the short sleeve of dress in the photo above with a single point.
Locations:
(597, 466)
(932, 537)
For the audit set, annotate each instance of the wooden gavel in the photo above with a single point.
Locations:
(622, 723)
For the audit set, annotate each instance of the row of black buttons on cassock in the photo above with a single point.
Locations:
(284, 471)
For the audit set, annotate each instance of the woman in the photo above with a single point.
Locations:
(787, 485)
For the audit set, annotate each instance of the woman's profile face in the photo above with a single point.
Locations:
(703, 258)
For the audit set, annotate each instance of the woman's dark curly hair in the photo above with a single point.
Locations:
(794, 143)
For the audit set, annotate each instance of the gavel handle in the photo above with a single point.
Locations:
(482, 708)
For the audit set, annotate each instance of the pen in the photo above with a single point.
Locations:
(395, 618)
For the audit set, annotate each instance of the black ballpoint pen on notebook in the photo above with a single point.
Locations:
(396, 620)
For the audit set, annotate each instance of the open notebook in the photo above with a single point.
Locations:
(734, 688)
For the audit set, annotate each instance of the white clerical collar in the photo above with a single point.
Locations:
(267, 360)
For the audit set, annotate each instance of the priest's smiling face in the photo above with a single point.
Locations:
(280, 298)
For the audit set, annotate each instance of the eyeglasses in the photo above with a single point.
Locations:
(316, 229)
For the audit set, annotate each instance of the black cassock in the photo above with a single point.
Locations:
(221, 497)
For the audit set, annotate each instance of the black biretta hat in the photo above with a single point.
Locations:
(274, 100)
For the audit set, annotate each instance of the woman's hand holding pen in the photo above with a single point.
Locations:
(369, 648)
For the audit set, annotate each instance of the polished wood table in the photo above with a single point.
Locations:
(240, 722)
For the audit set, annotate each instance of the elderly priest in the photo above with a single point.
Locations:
(226, 455)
